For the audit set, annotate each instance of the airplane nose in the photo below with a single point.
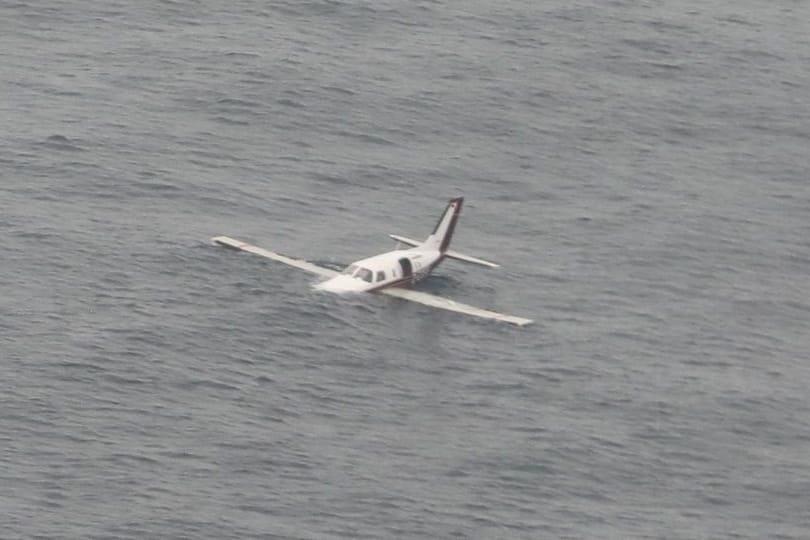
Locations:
(340, 284)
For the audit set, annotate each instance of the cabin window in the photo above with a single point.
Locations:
(380, 276)
(364, 274)
(350, 270)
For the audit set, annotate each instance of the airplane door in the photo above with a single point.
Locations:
(407, 268)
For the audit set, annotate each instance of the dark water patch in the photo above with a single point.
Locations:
(670, 26)
(211, 154)
(236, 103)
(207, 384)
(163, 189)
(792, 84)
(128, 380)
(737, 20)
(38, 236)
(81, 367)
(263, 379)
(136, 459)
(84, 166)
(228, 121)
(665, 66)
(294, 158)
(65, 93)
(339, 90)
(256, 78)
(647, 45)
(242, 54)
(286, 102)
(331, 179)
(60, 142)
(754, 56)
(367, 138)
(716, 500)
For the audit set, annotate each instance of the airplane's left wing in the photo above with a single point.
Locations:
(451, 305)
(296, 263)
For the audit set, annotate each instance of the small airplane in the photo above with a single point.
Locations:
(389, 272)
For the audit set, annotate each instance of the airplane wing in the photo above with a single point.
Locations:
(406, 294)
(451, 305)
(296, 263)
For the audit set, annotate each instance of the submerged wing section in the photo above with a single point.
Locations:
(451, 305)
(295, 263)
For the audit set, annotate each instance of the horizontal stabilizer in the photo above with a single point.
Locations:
(451, 305)
(406, 241)
(449, 253)
(466, 258)
(295, 263)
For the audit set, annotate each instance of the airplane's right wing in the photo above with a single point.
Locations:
(451, 305)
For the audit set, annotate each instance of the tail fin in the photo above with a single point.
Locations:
(443, 233)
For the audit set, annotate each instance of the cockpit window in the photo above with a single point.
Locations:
(350, 270)
(364, 274)
(380, 276)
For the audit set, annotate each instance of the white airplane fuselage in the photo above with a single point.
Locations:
(398, 268)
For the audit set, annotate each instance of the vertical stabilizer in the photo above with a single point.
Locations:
(443, 233)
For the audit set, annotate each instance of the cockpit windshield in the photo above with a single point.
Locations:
(364, 274)
(359, 273)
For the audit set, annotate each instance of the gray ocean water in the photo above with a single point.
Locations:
(639, 169)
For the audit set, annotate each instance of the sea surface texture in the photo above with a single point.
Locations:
(641, 170)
